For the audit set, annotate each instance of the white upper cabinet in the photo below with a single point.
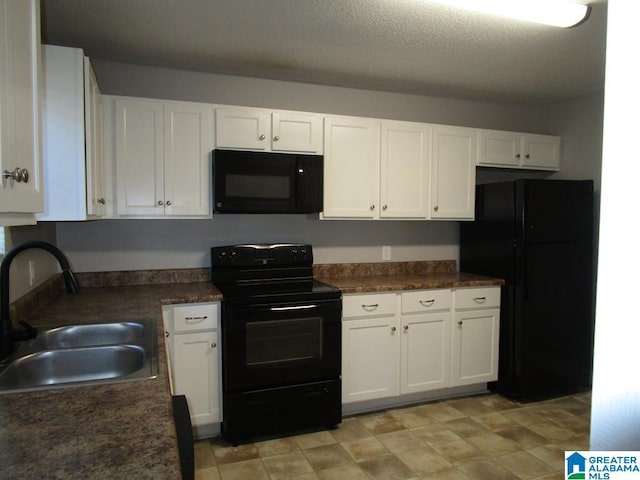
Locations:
(453, 173)
(72, 137)
(351, 167)
(518, 150)
(404, 170)
(264, 130)
(376, 169)
(162, 152)
(20, 160)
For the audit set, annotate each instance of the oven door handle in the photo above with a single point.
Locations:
(292, 307)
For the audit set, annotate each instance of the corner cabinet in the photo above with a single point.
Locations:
(453, 173)
(162, 158)
(476, 331)
(518, 150)
(20, 162)
(271, 131)
(194, 361)
(72, 135)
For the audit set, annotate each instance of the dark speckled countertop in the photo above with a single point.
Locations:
(398, 276)
(126, 430)
(117, 431)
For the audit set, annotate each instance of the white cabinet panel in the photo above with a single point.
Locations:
(296, 132)
(370, 358)
(426, 352)
(453, 173)
(404, 173)
(351, 167)
(242, 128)
(72, 135)
(518, 150)
(195, 363)
(139, 156)
(163, 156)
(475, 346)
(22, 195)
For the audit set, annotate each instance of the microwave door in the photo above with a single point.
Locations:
(255, 182)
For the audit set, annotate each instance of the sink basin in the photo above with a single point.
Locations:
(82, 354)
(89, 335)
(54, 367)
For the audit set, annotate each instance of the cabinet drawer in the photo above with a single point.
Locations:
(187, 318)
(486, 297)
(354, 306)
(426, 301)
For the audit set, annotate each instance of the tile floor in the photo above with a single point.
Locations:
(480, 437)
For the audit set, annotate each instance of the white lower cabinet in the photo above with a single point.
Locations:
(194, 361)
(425, 345)
(476, 331)
(370, 347)
(410, 342)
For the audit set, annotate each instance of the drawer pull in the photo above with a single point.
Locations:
(480, 299)
(192, 319)
(427, 303)
(371, 307)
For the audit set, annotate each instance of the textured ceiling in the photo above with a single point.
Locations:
(410, 46)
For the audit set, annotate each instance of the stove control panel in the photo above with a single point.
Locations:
(268, 255)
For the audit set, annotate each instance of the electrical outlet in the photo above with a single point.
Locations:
(386, 253)
(32, 273)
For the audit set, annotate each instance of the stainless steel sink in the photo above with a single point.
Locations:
(89, 335)
(81, 355)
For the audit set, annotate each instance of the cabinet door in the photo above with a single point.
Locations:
(404, 169)
(370, 353)
(475, 346)
(453, 173)
(188, 134)
(94, 143)
(19, 107)
(139, 157)
(351, 167)
(242, 128)
(296, 132)
(426, 352)
(496, 148)
(196, 374)
(541, 152)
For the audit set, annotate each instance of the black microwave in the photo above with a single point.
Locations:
(265, 182)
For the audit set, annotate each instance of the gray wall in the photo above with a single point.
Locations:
(150, 244)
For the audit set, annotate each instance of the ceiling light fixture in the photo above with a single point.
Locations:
(558, 13)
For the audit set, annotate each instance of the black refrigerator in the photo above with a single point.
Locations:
(538, 236)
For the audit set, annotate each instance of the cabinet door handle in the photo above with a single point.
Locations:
(517, 155)
(160, 203)
(480, 299)
(214, 344)
(372, 207)
(101, 201)
(195, 319)
(384, 207)
(371, 307)
(19, 175)
(168, 202)
(406, 327)
(261, 137)
(435, 209)
(427, 303)
(393, 329)
(276, 138)
(460, 322)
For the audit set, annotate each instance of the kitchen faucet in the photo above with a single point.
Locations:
(7, 333)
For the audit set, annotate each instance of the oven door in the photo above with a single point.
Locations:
(273, 345)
